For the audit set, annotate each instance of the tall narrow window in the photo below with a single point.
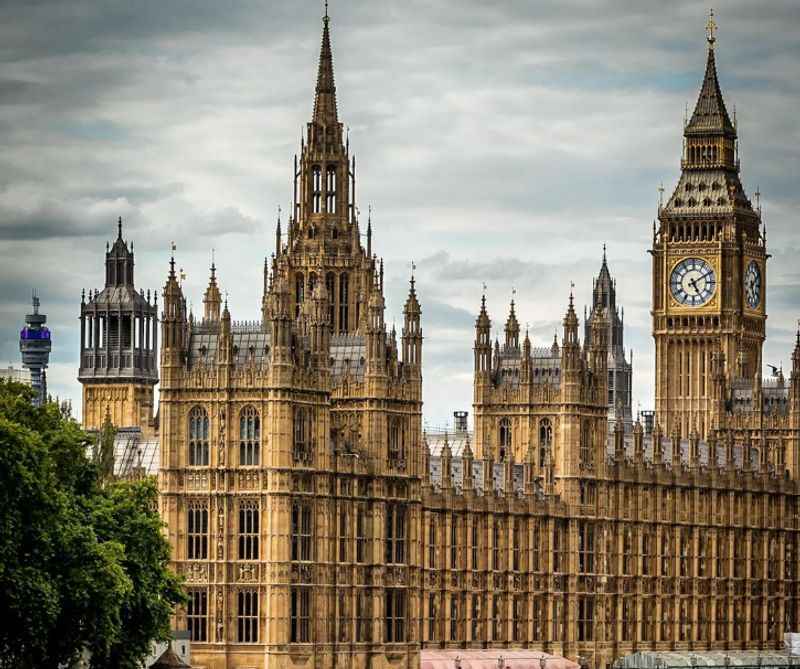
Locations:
(585, 547)
(249, 437)
(431, 617)
(454, 542)
(344, 615)
(516, 548)
(247, 616)
(476, 618)
(361, 534)
(343, 535)
(475, 542)
(519, 618)
(198, 437)
(299, 631)
(301, 531)
(248, 530)
(330, 190)
(395, 533)
(453, 617)
(197, 614)
(316, 189)
(559, 545)
(545, 441)
(344, 301)
(302, 450)
(586, 455)
(395, 619)
(396, 440)
(299, 293)
(585, 618)
(330, 282)
(197, 531)
(363, 616)
(496, 549)
(505, 439)
(432, 541)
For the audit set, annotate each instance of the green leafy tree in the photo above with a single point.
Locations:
(83, 566)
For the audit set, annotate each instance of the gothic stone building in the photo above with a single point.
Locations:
(316, 529)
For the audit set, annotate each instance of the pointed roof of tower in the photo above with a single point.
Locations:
(483, 317)
(710, 114)
(325, 112)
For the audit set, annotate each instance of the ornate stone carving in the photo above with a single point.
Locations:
(196, 572)
(221, 445)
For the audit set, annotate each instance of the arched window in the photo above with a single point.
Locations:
(302, 450)
(330, 190)
(586, 455)
(198, 437)
(343, 300)
(505, 438)
(249, 437)
(396, 439)
(545, 440)
(316, 188)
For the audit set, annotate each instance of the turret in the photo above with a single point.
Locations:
(483, 344)
(446, 461)
(376, 334)
(280, 323)
(320, 326)
(212, 300)
(512, 330)
(174, 326)
(570, 356)
(412, 333)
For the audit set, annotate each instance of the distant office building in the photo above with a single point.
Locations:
(15, 374)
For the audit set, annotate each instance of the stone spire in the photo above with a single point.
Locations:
(512, 329)
(710, 115)
(212, 300)
(325, 112)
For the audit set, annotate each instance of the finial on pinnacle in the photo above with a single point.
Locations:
(604, 253)
(571, 293)
(711, 29)
(172, 258)
(661, 196)
(413, 269)
(119, 228)
(326, 10)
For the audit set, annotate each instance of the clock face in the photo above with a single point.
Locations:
(693, 282)
(752, 285)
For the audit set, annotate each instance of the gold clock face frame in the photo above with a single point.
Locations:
(693, 282)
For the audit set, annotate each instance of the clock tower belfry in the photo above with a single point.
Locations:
(709, 273)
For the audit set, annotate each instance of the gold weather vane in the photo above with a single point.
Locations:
(172, 247)
(711, 29)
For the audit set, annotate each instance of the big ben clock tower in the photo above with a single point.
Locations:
(709, 273)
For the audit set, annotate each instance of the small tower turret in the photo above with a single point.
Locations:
(212, 300)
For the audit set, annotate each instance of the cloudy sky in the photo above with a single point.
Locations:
(498, 142)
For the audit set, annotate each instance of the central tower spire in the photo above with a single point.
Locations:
(325, 112)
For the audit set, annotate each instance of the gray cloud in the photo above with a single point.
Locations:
(498, 142)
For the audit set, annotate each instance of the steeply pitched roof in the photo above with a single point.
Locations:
(325, 112)
(710, 114)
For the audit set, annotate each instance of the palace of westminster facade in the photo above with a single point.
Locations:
(315, 523)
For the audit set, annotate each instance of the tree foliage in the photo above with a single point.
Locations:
(83, 563)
